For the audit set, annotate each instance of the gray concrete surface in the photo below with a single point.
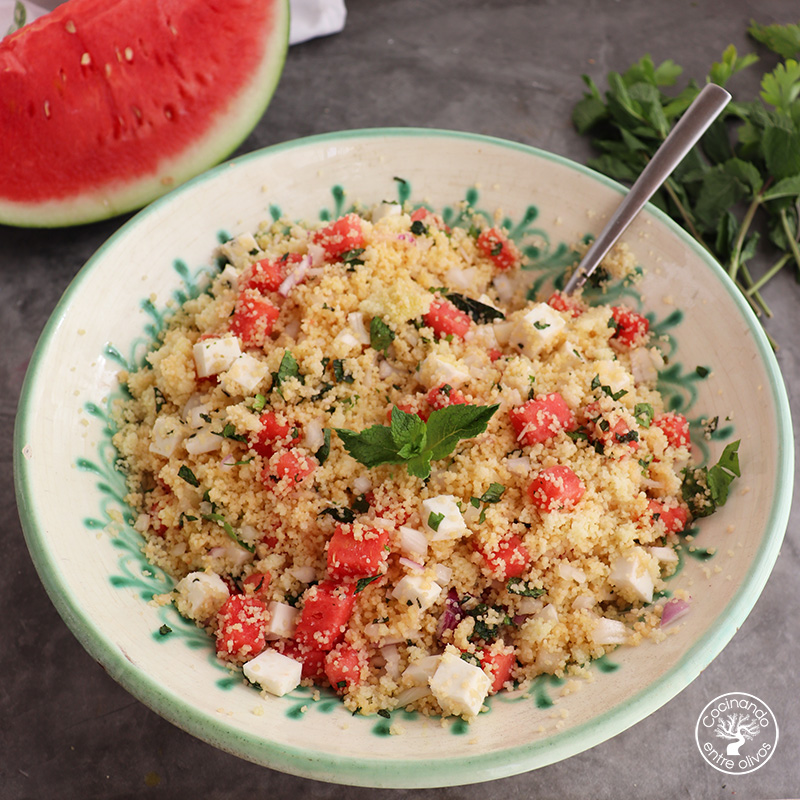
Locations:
(505, 68)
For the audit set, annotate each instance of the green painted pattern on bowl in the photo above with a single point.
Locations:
(546, 262)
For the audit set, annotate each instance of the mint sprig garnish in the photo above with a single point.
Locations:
(411, 441)
(706, 488)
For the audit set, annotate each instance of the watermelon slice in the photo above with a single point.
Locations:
(107, 104)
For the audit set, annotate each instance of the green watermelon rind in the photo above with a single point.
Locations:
(229, 130)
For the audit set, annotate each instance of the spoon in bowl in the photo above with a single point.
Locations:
(705, 108)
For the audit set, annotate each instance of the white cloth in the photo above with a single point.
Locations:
(309, 18)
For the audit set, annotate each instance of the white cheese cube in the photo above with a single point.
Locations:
(444, 508)
(417, 590)
(238, 250)
(244, 375)
(537, 329)
(614, 375)
(385, 209)
(194, 411)
(168, 433)
(645, 364)
(436, 370)
(232, 556)
(666, 555)
(212, 356)
(230, 275)
(200, 595)
(203, 441)
(631, 575)
(273, 671)
(282, 620)
(420, 672)
(609, 631)
(459, 687)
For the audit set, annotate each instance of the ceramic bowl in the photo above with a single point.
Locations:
(79, 530)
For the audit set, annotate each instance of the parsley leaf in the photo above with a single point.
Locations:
(228, 528)
(411, 441)
(287, 369)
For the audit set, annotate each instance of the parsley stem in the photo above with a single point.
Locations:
(770, 273)
(735, 263)
(756, 295)
(793, 246)
(687, 219)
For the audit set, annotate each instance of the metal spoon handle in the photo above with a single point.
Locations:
(691, 126)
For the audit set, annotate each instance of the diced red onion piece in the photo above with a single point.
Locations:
(674, 609)
(452, 614)
(406, 237)
(415, 565)
(294, 277)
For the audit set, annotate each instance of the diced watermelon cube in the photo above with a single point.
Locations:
(253, 319)
(509, 560)
(241, 628)
(340, 236)
(446, 319)
(351, 557)
(675, 427)
(498, 665)
(631, 328)
(673, 518)
(556, 488)
(325, 614)
(496, 246)
(343, 667)
(541, 419)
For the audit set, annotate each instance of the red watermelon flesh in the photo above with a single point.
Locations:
(107, 104)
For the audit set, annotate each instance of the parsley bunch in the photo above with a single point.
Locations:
(744, 175)
(411, 441)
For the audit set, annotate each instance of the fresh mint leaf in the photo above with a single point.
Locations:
(371, 447)
(380, 334)
(447, 426)
(410, 440)
(435, 520)
(523, 588)
(481, 313)
(362, 583)
(706, 488)
(643, 413)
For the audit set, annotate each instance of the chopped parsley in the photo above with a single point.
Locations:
(189, 476)
(287, 369)
(228, 528)
(523, 588)
(362, 583)
(643, 413)
(435, 520)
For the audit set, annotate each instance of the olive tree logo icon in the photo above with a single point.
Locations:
(738, 727)
(746, 727)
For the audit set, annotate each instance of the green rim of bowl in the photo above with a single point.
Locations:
(422, 772)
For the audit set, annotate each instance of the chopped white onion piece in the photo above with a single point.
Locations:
(412, 565)
(314, 435)
(521, 465)
(295, 276)
(411, 695)
(413, 542)
(303, 574)
(442, 574)
(391, 655)
(356, 323)
(362, 484)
